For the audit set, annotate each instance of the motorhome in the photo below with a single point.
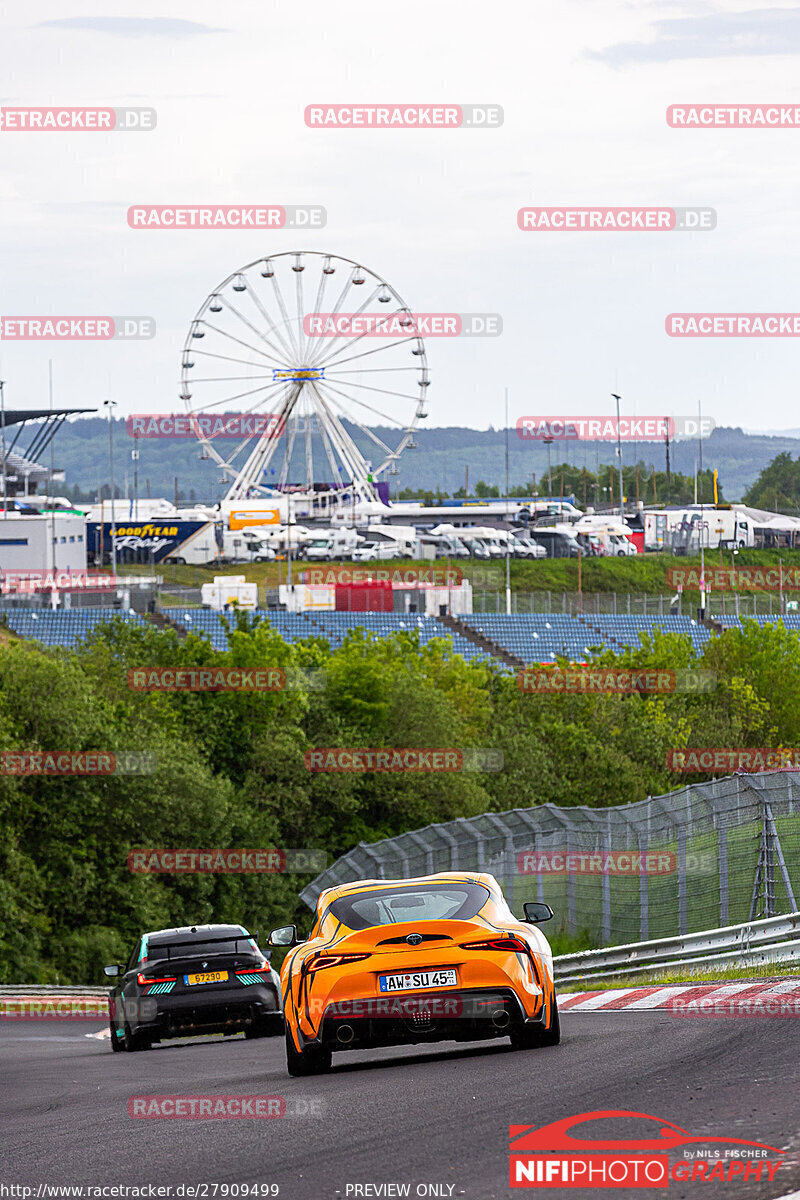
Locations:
(332, 544)
(614, 535)
(559, 541)
(685, 530)
(487, 536)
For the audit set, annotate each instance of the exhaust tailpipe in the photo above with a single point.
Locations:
(500, 1018)
(345, 1034)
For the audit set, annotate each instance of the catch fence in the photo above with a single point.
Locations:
(708, 855)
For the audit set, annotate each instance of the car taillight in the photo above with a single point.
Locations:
(333, 960)
(500, 943)
(144, 979)
(254, 970)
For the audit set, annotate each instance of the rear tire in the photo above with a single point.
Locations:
(271, 1026)
(311, 1061)
(530, 1037)
(116, 1042)
(136, 1041)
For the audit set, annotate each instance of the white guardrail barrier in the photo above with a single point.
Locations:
(755, 943)
(45, 1000)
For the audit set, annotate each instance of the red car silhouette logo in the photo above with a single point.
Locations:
(557, 1137)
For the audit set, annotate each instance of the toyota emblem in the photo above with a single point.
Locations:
(414, 939)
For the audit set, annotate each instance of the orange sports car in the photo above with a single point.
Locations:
(393, 962)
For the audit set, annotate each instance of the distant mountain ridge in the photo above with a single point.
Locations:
(440, 460)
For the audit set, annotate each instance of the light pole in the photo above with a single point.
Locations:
(619, 456)
(3, 439)
(111, 404)
(289, 543)
(702, 547)
(548, 441)
(135, 457)
(736, 582)
(508, 539)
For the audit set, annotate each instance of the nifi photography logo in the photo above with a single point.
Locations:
(553, 1156)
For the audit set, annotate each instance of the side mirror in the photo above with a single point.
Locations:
(285, 936)
(111, 971)
(535, 912)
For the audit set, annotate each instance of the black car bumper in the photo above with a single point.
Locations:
(406, 1019)
(221, 1010)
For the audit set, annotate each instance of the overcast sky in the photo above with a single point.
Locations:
(584, 87)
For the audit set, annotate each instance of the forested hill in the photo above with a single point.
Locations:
(438, 462)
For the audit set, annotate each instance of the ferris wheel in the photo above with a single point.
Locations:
(324, 355)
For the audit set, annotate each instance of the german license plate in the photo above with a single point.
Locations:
(418, 980)
(206, 977)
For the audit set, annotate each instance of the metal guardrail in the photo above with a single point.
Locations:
(754, 943)
(36, 989)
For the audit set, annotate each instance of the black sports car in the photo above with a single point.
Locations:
(200, 979)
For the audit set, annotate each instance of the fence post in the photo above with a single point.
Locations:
(777, 853)
(681, 881)
(572, 923)
(769, 864)
(765, 870)
(644, 892)
(606, 893)
(722, 868)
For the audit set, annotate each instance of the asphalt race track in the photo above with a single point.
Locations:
(429, 1116)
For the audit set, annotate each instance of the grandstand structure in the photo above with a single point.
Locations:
(62, 627)
(515, 640)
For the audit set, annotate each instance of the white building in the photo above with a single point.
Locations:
(52, 541)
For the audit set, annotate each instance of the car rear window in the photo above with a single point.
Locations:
(388, 906)
(202, 949)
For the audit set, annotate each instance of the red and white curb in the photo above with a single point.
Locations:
(745, 999)
(27, 1006)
